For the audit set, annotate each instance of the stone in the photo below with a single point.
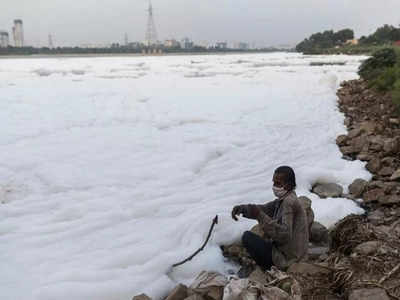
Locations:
(373, 195)
(394, 121)
(328, 190)
(359, 143)
(369, 127)
(395, 175)
(348, 150)
(354, 133)
(195, 297)
(364, 157)
(367, 248)
(388, 161)
(258, 276)
(376, 217)
(316, 252)
(391, 187)
(210, 285)
(308, 269)
(319, 233)
(180, 292)
(386, 171)
(390, 199)
(357, 187)
(370, 294)
(376, 143)
(257, 230)
(373, 165)
(375, 184)
(391, 146)
(341, 140)
(141, 297)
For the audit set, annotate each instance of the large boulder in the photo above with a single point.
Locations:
(319, 233)
(370, 294)
(357, 188)
(327, 190)
(367, 248)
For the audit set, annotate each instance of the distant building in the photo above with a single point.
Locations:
(187, 43)
(172, 44)
(135, 45)
(18, 33)
(353, 42)
(242, 46)
(4, 39)
(221, 45)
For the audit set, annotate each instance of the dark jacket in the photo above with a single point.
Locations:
(284, 222)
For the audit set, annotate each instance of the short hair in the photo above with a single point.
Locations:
(289, 176)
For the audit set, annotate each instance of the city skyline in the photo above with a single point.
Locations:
(260, 22)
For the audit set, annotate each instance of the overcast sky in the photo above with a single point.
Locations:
(266, 22)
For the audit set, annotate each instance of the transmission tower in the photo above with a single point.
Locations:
(151, 32)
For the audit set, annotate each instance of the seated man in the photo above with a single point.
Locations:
(283, 222)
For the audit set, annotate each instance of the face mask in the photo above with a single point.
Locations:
(279, 192)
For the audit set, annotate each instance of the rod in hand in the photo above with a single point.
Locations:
(214, 222)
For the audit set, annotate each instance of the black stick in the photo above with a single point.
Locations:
(214, 222)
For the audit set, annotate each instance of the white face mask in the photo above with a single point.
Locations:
(279, 191)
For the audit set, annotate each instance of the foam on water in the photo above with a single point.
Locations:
(113, 168)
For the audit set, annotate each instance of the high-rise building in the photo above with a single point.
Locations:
(4, 39)
(18, 33)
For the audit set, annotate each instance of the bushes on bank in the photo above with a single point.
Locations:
(382, 72)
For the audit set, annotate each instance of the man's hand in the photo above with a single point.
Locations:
(237, 210)
(254, 211)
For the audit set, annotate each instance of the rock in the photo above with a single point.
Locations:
(391, 146)
(180, 292)
(308, 269)
(257, 230)
(354, 133)
(364, 157)
(141, 297)
(394, 121)
(348, 150)
(391, 187)
(388, 161)
(373, 195)
(390, 199)
(373, 165)
(357, 188)
(370, 294)
(194, 297)
(386, 171)
(375, 184)
(395, 175)
(258, 276)
(319, 233)
(359, 143)
(376, 217)
(316, 252)
(367, 248)
(376, 143)
(341, 140)
(328, 190)
(210, 285)
(306, 203)
(369, 127)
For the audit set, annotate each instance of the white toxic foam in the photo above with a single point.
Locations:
(106, 182)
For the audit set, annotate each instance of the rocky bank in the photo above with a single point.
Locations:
(359, 258)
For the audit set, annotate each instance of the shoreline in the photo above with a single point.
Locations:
(92, 55)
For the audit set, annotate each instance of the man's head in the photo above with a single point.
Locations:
(284, 177)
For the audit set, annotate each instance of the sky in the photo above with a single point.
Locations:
(263, 22)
